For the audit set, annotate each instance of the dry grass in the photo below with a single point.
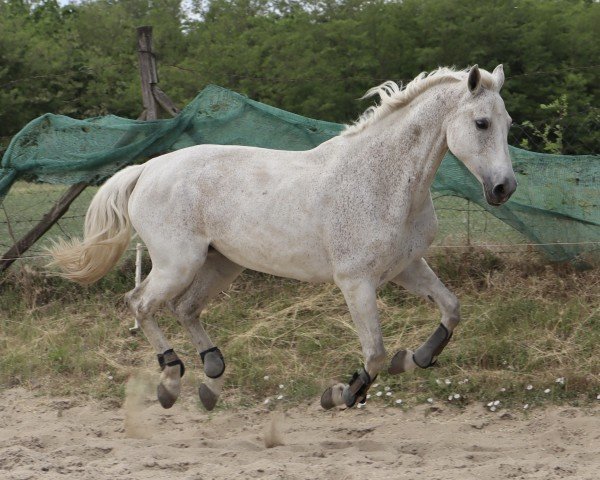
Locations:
(524, 323)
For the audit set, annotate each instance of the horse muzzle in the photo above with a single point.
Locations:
(498, 192)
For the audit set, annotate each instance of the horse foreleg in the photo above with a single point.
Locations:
(418, 278)
(216, 274)
(361, 299)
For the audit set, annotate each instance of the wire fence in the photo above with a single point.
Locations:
(462, 224)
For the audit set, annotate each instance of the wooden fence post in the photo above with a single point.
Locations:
(148, 74)
(152, 97)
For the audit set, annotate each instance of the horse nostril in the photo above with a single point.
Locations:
(499, 190)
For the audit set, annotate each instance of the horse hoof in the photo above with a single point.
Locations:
(166, 398)
(327, 399)
(332, 397)
(207, 397)
(401, 362)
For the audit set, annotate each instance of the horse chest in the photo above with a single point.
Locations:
(382, 249)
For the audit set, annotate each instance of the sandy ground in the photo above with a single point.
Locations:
(52, 438)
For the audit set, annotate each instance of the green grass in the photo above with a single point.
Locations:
(524, 323)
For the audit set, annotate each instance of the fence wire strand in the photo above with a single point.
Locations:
(463, 225)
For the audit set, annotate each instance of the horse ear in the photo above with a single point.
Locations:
(498, 74)
(474, 80)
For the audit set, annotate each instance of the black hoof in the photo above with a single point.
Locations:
(398, 363)
(207, 397)
(327, 399)
(166, 398)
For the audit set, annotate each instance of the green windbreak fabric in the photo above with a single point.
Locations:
(557, 199)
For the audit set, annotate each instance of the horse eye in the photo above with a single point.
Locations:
(482, 124)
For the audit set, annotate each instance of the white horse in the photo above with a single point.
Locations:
(356, 210)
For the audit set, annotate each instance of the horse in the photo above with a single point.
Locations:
(355, 210)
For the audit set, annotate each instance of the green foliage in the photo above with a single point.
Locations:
(551, 134)
(312, 58)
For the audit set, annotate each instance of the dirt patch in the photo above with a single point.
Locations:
(50, 438)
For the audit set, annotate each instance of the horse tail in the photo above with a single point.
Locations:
(107, 231)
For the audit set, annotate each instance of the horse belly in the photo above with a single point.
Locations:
(302, 260)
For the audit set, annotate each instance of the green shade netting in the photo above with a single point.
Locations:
(557, 201)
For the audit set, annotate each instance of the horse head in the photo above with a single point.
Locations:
(477, 134)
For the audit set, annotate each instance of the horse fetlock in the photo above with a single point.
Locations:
(170, 359)
(356, 390)
(375, 363)
(214, 363)
(426, 355)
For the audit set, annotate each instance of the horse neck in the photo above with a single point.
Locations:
(405, 147)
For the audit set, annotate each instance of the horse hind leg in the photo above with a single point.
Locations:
(170, 276)
(418, 278)
(216, 274)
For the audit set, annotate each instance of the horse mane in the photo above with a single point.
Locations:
(394, 96)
